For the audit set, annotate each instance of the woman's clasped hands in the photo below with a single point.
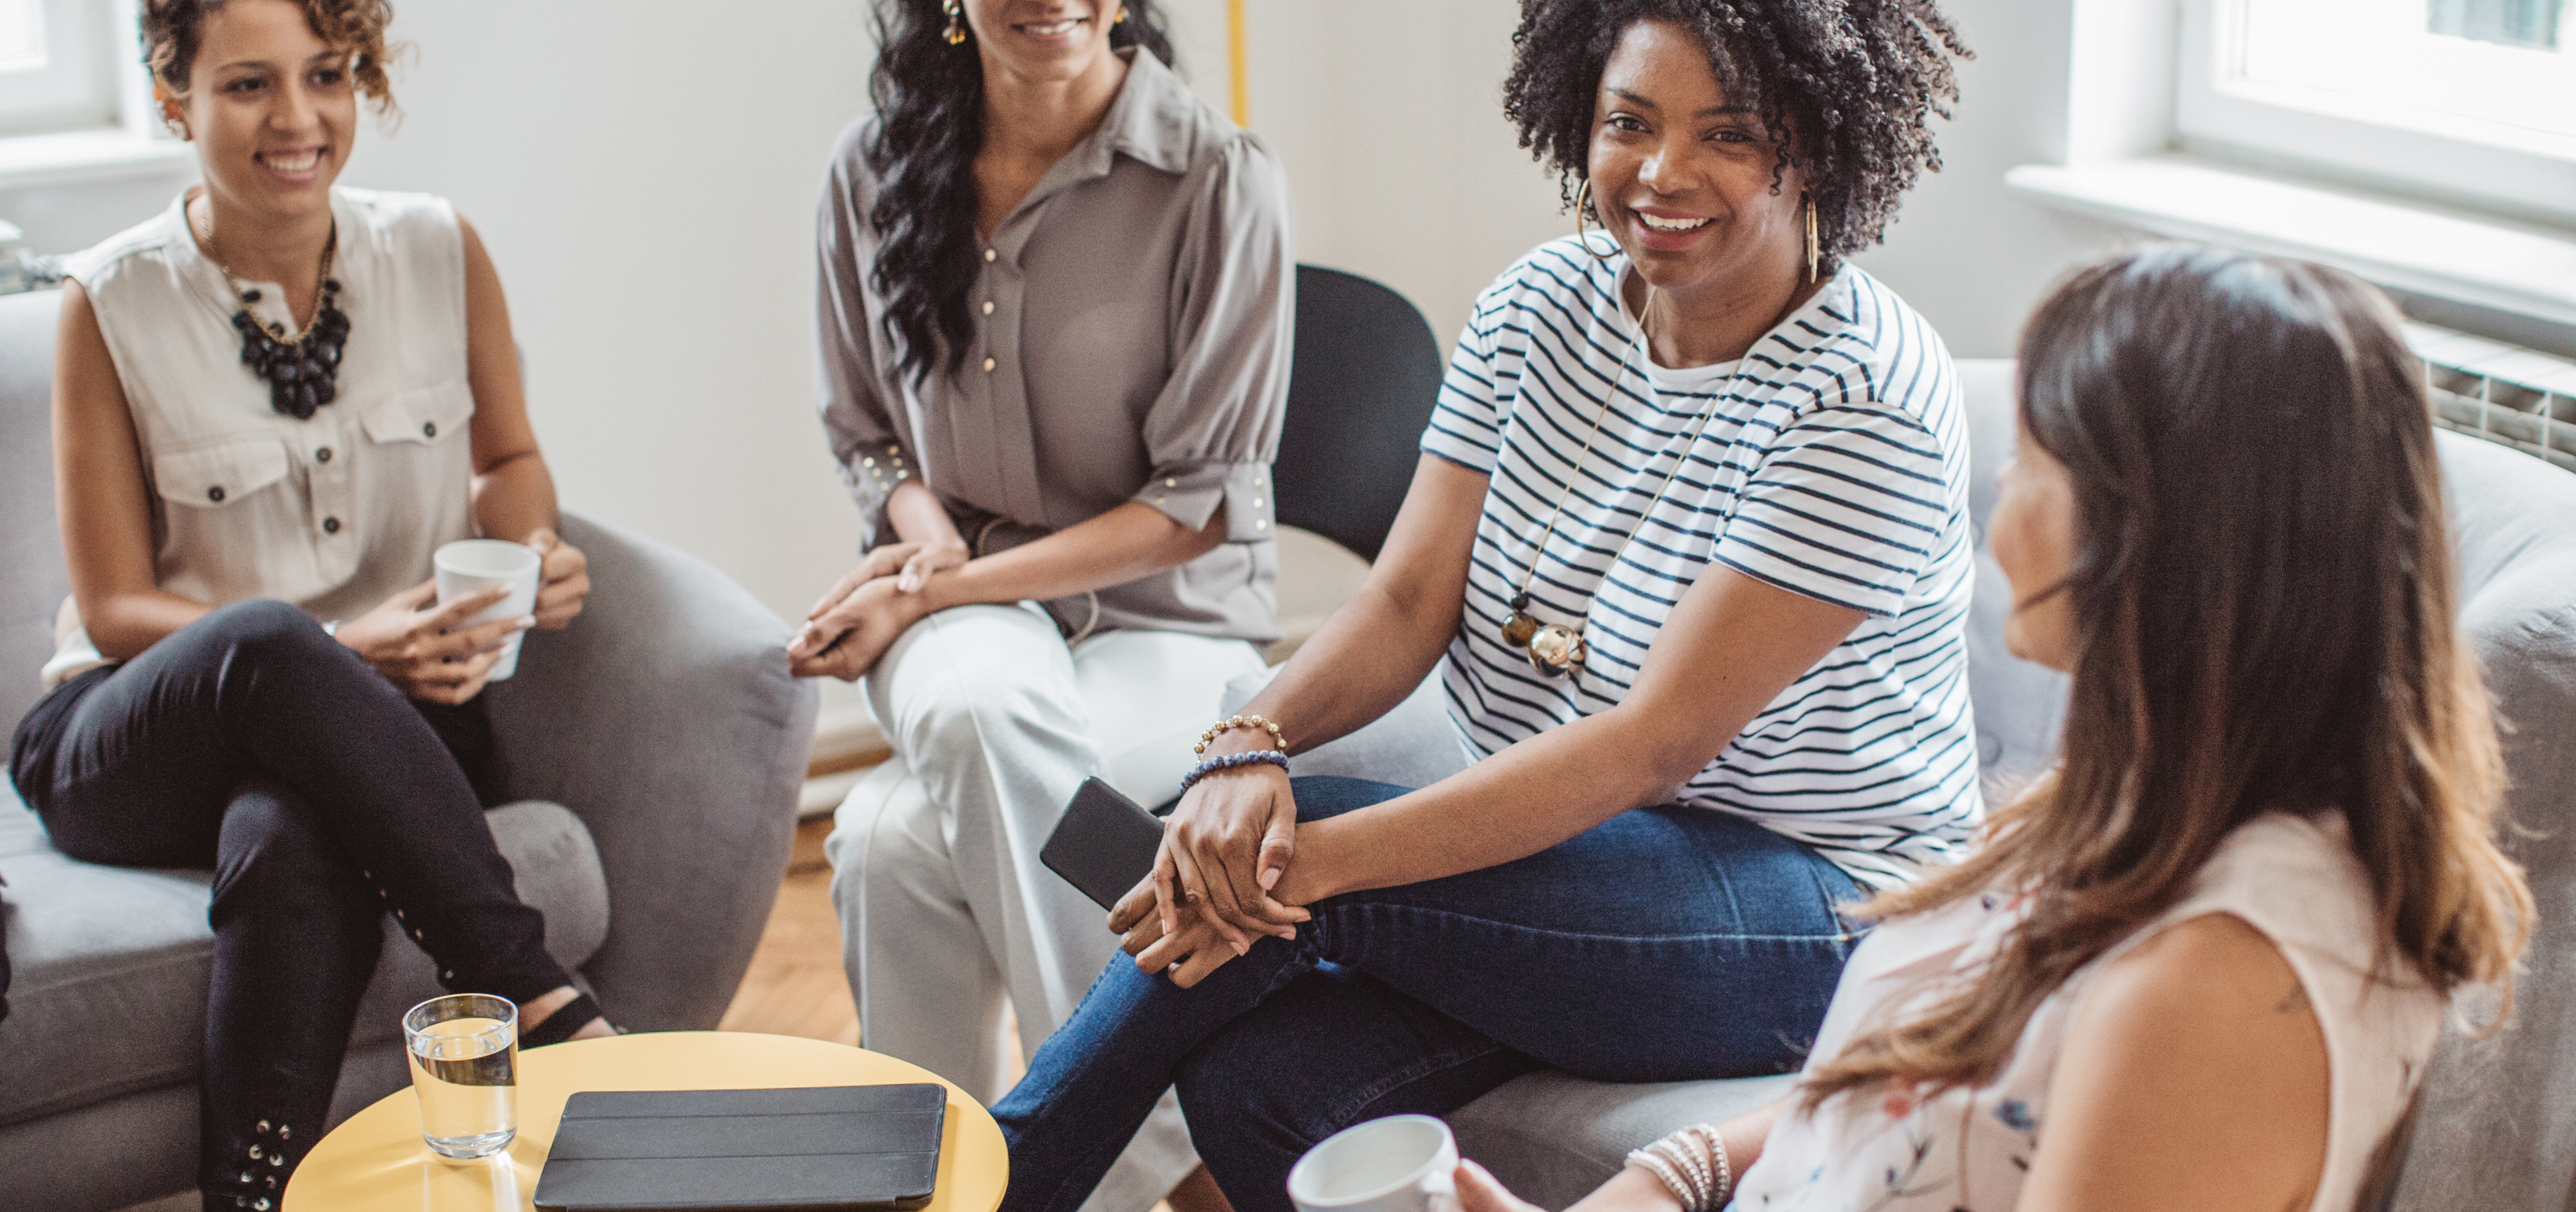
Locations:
(854, 624)
(1218, 883)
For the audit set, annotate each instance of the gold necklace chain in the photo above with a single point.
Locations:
(323, 285)
(1555, 649)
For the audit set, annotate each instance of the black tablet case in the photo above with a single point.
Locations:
(822, 1149)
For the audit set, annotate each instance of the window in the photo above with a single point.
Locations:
(57, 69)
(2464, 100)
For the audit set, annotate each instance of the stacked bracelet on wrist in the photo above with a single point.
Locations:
(1230, 761)
(1241, 721)
(1692, 1163)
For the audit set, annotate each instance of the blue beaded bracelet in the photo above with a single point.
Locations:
(1229, 762)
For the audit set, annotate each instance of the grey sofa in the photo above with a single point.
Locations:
(656, 749)
(2497, 1130)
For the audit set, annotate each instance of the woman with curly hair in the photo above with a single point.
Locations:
(2202, 964)
(1690, 531)
(272, 404)
(1054, 309)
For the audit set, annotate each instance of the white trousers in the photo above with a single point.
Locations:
(945, 908)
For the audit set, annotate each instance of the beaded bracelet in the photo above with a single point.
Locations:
(1698, 1176)
(1277, 741)
(1230, 761)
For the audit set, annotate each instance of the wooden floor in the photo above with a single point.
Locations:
(795, 986)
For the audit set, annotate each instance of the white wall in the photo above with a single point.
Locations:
(645, 177)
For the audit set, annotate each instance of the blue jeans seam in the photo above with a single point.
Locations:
(1839, 936)
(1341, 1115)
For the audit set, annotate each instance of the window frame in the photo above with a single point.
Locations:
(2273, 126)
(80, 87)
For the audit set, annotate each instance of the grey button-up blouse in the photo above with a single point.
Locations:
(1132, 344)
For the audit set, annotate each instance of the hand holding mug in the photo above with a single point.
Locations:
(563, 579)
(428, 651)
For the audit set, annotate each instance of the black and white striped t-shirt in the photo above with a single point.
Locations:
(1835, 465)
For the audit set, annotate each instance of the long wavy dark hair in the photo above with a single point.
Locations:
(1849, 87)
(930, 123)
(2265, 620)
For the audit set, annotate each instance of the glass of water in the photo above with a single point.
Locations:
(465, 1067)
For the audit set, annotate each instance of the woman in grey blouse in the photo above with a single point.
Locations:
(1054, 309)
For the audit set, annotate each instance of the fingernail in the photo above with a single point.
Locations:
(1270, 878)
(526, 621)
(1240, 948)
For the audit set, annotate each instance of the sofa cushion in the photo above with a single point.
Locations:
(113, 962)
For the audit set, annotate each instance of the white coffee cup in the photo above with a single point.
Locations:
(1395, 1164)
(469, 566)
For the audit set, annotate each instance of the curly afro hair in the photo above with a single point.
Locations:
(1850, 86)
(172, 30)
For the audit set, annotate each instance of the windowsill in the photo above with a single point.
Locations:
(2523, 268)
(88, 155)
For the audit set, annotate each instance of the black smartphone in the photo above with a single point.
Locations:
(1105, 843)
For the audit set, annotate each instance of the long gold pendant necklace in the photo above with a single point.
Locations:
(1555, 649)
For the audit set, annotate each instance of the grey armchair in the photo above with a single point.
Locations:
(2497, 1127)
(654, 750)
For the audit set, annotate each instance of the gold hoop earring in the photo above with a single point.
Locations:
(1814, 249)
(956, 27)
(1582, 207)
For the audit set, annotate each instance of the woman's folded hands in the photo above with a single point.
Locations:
(866, 610)
(1225, 848)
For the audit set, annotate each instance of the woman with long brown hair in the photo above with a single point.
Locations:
(2202, 963)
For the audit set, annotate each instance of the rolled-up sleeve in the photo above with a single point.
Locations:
(856, 420)
(1214, 429)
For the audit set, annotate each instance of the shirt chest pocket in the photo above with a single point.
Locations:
(421, 416)
(212, 477)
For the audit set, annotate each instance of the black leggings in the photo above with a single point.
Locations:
(251, 741)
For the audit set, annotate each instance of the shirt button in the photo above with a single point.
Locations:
(216, 494)
(988, 366)
(1261, 523)
(330, 525)
(323, 455)
(429, 429)
(988, 307)
(989, 254)
(1171, 483)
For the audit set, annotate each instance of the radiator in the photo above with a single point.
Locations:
(2508, 394)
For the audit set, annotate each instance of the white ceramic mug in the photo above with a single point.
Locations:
(1395, 1164)
(469, 566)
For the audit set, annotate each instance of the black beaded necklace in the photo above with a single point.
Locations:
(303, 371)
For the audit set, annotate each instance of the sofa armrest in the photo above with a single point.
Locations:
(665, 717)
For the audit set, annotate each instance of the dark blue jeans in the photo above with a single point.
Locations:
(1665, 944)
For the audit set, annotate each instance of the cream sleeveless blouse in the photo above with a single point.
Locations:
(2291, 878)
(336, 513)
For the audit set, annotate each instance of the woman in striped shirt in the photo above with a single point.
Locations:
(1691, 530)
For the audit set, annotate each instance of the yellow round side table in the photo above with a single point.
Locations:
(375, 1162)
